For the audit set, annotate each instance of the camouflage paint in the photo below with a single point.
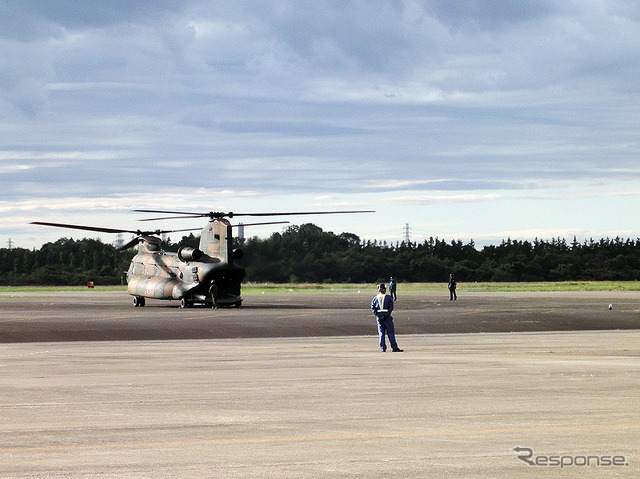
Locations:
(163, 275)
(216, 240)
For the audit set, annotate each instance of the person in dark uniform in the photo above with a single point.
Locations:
(392, 289)
(382, 306)
(452, 288)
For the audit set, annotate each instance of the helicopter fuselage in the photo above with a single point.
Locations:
(205, 275)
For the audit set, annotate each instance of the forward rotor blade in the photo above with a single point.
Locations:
(151, 239)
(81, 227)
(130, 244)
(109, 230)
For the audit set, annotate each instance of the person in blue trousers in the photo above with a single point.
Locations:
(382, 306)
(392, 289)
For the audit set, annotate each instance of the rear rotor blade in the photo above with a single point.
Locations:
(304, 213)
(260, 224)
(219, 214)
(171, 212)
(173, 217)
(159, 232)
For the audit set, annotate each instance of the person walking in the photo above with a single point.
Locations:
(382, 306)
(452, 288)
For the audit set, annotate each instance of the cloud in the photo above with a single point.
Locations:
(479, 100)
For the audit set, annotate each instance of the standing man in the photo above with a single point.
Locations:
(452, 288)
(392, 289)
(382, 306)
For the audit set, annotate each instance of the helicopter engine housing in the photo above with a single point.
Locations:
(187, 253)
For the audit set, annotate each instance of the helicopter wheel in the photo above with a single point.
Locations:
(138, 301)
(184, 303)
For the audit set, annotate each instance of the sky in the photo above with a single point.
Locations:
(471, 120)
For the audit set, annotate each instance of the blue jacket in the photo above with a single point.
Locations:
(381, 306)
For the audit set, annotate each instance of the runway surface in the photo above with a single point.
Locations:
(88, 315)
(90, 399)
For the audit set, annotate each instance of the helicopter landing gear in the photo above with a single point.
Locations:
(184, 303)
(138, 301)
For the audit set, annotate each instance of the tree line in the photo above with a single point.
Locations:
(307, 254)
(65, 262)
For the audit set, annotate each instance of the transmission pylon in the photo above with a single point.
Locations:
(407, 238)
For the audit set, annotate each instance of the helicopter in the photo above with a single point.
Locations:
(206, 275)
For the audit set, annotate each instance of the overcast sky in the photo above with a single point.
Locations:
(480, 120)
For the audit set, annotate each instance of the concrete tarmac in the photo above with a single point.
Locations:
(451, 405)
(87, 315)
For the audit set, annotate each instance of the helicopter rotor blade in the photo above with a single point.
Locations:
(304, 213)
(186, 214)
(176, 231)
(130, 244)
(260, 224)
(81, 227)
(171, 212)
(219, 214)
(149, 239)
(109, 230)
(173, 217)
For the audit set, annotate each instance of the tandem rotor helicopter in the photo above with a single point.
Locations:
(205, 275)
